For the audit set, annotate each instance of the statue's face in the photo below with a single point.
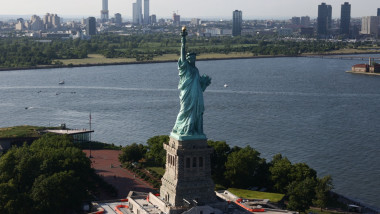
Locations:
(191, 59)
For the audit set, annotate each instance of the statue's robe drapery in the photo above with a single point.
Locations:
(189, 123)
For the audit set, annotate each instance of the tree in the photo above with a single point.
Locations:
(51, 175)
(218, 160)
(280, 173)
(322, 191)
(156, 152)
(61, 190)
(301, 171)
(132, 153)
(301, 194)
(242, 167)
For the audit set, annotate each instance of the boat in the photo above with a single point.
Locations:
(225, 85)
(61, 82)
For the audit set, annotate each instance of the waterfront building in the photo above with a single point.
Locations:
(91, 26)
(78, 135)
(378, 11)
(25, 136)
(104, 15)
(324, 19)
(237, 19)
(370, 25)
(345, 18)
(146, 12)
(371, 67)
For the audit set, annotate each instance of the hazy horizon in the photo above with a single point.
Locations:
(252, 9)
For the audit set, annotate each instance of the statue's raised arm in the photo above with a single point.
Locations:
(183, 42)
(189, 123)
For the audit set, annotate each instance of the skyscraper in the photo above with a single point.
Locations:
(91, 26)
(345, 17)
(370, 25)
(305, 21)
(51, 21)
(378, 11)
(146, 12)
(137, 12)
(324, 19)
(153, 19)
(176, 19)
(296, 20)
(237, 19)
(135, 18)
(329, 17)
(118, 19)
(104, 12)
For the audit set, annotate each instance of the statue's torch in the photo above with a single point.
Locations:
(184, 32)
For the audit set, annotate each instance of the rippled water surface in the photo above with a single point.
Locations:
(308, 109)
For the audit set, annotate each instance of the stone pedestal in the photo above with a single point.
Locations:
(187, 179)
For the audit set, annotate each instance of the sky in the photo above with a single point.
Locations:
(252, 9)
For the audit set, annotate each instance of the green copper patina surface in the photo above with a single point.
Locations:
(189, 123)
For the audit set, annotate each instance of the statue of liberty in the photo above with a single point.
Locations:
(189, 123)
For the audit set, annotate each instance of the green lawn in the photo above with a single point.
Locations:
(100, 59)
(249, 194)
(318, 211)
(158, 170)
(21, 131)
(96, 59)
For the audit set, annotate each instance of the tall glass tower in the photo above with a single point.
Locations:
(137, 12)
(91, 26)
(345, 17)
(104, 16)
(146, 12)
(324, 19)
(237, 19)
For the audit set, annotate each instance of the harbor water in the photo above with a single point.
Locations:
(308, 109)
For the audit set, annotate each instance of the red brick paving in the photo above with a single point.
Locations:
(106, 164)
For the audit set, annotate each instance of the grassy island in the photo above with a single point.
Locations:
(109, 49)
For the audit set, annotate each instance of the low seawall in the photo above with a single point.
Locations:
(365, 208)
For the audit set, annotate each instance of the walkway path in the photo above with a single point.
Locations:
(106, 164)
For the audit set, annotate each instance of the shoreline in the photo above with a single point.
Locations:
(131, 63)
(364, 73)
(175, 60)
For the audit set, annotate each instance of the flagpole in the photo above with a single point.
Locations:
(90, 137)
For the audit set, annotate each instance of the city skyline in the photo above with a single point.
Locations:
(252, 9)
